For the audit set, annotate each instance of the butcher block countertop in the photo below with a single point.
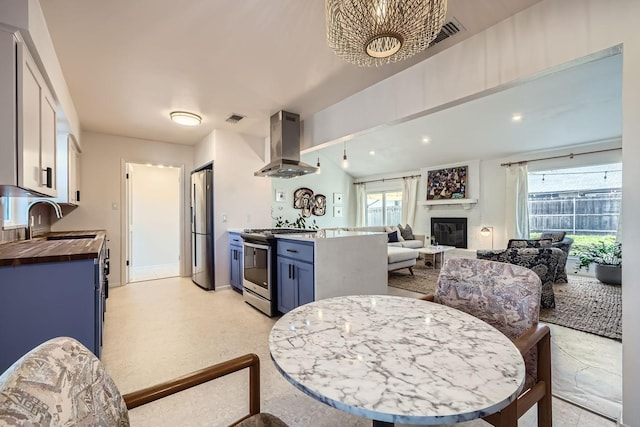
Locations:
(53, 247)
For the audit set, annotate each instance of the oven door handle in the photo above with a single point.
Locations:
(256, 245)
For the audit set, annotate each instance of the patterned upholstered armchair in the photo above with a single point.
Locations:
(560, 241)
(542, 260)
(507, 297)
(61, 382)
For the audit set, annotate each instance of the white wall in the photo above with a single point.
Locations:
(331, 179)
(155, 208)
(102, 185)
(549, 34)
(245, 200)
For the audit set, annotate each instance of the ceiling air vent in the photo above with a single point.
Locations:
(449, 29)
(234, 118)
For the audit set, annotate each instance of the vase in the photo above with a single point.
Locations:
(610, 274)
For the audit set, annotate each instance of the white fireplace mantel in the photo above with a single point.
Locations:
(466, 203)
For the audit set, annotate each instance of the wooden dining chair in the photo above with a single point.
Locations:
(507, 297)
(61, 382)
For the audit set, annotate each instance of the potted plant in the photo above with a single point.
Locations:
(608, 260)
(299, 222)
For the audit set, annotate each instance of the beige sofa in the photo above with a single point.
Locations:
(402, 254)
(416, 243)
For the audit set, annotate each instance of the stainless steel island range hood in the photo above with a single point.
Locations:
(285, 148)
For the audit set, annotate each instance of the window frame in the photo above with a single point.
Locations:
(384, 193)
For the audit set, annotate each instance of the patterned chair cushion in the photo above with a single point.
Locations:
(556, 236)
(60, 383)
(565, 246)
(529, 243)
(543, 262)
(504, 295)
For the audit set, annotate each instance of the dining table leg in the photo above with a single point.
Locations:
(377, 423)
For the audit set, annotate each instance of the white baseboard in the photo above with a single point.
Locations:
(621, 423)
(150, 272)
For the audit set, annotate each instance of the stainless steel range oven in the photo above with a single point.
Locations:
(260, 264)
(258, 279)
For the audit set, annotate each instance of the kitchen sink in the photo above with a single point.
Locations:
(72, 237)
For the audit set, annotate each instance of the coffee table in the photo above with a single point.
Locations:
(434, 251)
(397, 360)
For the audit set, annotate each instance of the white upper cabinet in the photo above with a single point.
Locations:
(68, 169)
(30, 163)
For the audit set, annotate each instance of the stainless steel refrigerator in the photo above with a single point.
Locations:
(202, 265)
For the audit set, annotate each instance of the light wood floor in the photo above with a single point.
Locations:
(161, 329)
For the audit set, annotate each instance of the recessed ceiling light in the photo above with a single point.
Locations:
(185, 118)
(426, 140)
(372, 152)
(516, 117)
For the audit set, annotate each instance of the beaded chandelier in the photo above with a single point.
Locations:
(376, 32)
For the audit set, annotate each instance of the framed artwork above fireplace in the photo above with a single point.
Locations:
(448, 183)
(456, 184)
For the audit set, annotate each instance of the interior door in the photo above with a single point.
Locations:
(154, 222)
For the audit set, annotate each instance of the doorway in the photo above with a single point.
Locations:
(153, 222)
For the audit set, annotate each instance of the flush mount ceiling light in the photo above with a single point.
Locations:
(185, 118)
(379, 32)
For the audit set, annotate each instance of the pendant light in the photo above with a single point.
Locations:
(318, 166)
(345, 162)
(377, 32)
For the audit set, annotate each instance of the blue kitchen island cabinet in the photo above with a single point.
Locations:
(295, 284)
(45, 300)
(235, 257)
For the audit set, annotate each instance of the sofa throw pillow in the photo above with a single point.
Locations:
(394, 228)
(529, 243)
(393, 236)
(406, 232)
(557, 236)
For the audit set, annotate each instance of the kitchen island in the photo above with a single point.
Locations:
(52, 285)
(330, 263)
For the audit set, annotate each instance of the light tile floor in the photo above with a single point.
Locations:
(162, 329)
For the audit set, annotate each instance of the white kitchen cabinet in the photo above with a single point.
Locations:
(73, 171)
(68, 156)
(28, 127)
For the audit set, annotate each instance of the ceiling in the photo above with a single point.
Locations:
(573, 106)
(129, 63)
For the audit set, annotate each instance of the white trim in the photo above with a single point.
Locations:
(466, 203)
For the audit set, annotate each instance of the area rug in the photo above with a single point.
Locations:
(584, 303)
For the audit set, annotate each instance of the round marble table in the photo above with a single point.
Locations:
(397, 360)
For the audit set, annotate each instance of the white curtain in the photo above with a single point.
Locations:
(517, 203)
(409, 200)
(361, 205)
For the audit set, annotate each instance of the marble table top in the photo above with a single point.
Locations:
(397, 359)
(435, 249)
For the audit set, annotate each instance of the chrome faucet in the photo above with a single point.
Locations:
(56, 208)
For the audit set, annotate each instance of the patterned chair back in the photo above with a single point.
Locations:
(59, 383)
(506, 296)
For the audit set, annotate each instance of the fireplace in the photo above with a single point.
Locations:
(450, 231)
